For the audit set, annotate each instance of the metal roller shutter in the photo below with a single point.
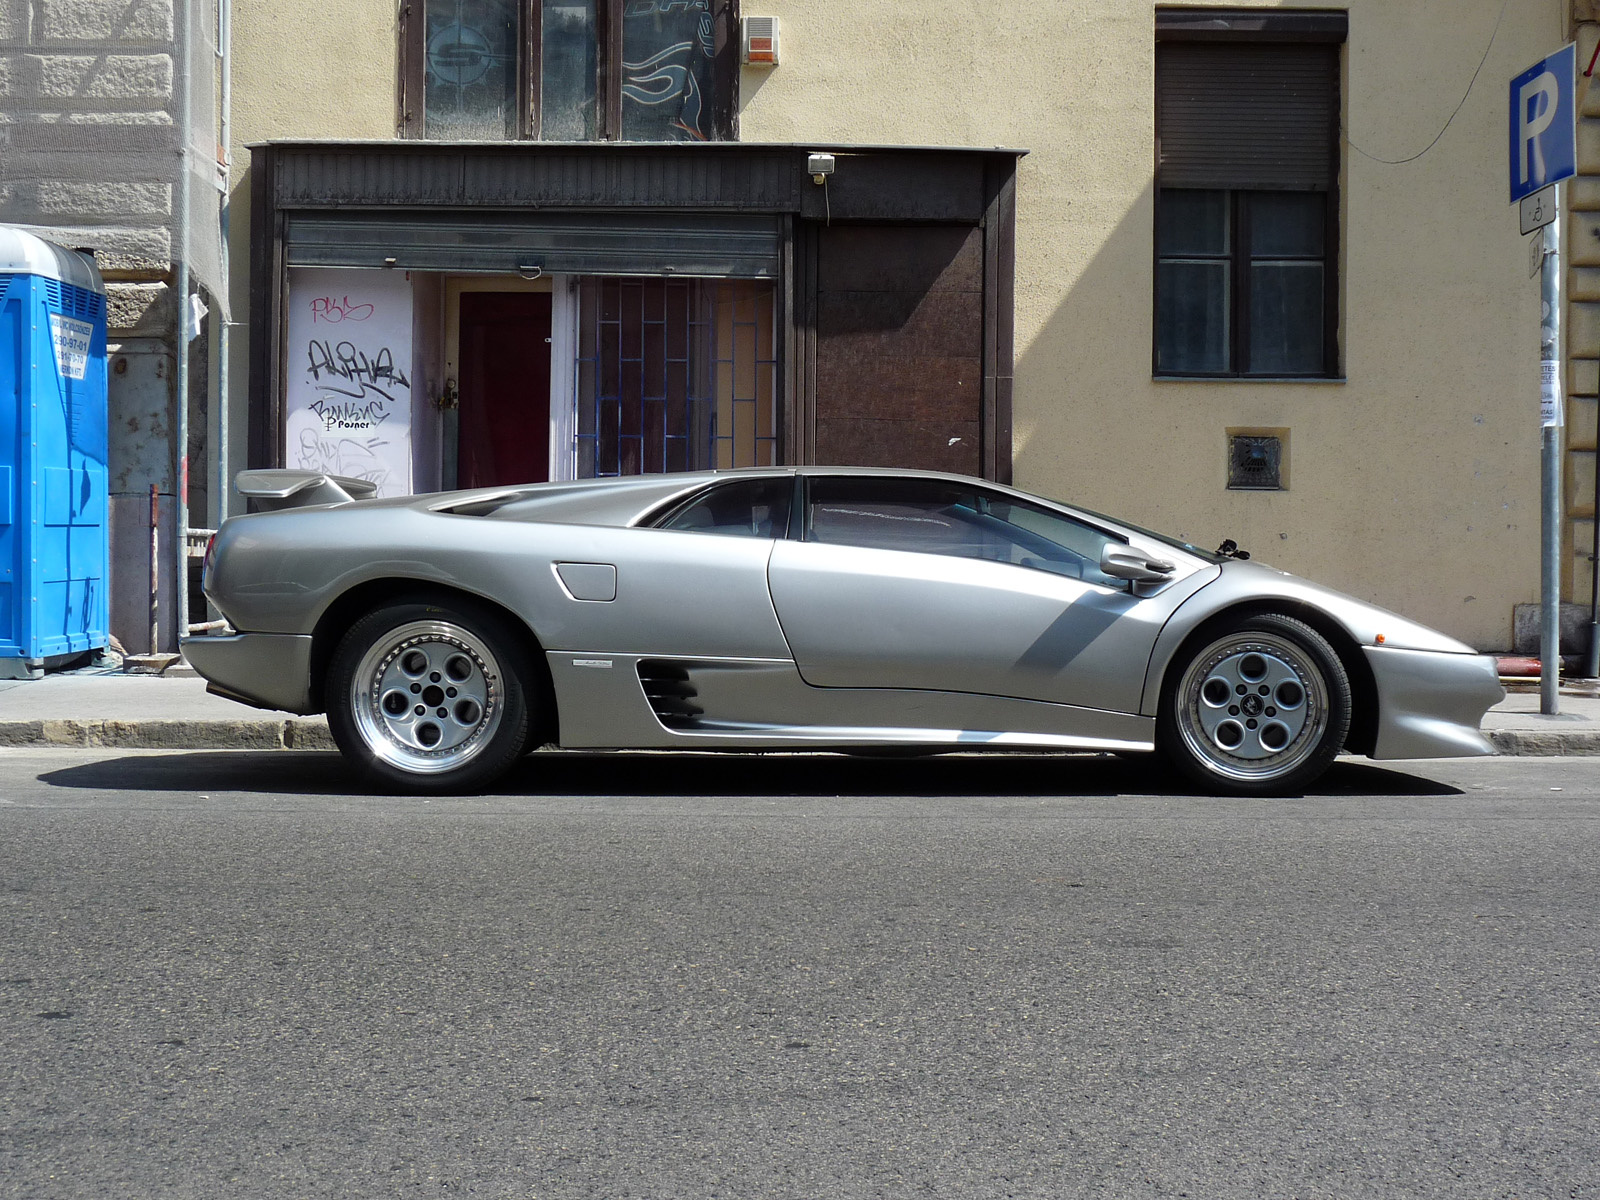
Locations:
(729, 245)
(1261, 115)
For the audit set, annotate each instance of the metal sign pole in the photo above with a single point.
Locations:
(1543, 152)
(1552, 420)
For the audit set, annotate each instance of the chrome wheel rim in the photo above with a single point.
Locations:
(1252, 707)
(427, 697)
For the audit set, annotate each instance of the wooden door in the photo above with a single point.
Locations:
(899, 361)
(504, 421)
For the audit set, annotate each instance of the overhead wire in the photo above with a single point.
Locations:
(1394, 162)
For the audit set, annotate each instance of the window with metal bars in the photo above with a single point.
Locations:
(675, 375)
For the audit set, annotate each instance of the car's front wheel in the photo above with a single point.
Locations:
(1261, 709)
(429, 697)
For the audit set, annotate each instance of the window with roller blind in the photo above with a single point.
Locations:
(1247, 199)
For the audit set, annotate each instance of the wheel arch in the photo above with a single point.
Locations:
(1363, 735)
(350, 606)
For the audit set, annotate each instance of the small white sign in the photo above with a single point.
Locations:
(1538, 210)
(71, 340)
(1550, 408)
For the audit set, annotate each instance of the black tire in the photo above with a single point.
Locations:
(1261, 707)
(428, 697)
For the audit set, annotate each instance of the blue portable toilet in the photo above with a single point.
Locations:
(54, 540)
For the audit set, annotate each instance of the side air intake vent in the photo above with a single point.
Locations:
(671, 695)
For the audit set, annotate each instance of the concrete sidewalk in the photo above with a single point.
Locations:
(105, 707)
(95, 707)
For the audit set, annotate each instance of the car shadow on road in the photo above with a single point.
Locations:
(640, 773)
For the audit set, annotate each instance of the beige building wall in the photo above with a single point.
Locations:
(301, 69)
(1413, 482)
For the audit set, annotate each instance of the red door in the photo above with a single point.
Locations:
(503, 429)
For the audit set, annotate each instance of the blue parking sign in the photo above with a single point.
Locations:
(1544, 125)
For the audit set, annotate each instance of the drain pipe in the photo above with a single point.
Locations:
(224, 389)
(180, 541)
(155, 568)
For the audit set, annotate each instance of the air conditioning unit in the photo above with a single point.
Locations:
(761, 41)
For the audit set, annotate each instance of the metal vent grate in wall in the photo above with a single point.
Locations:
(1255, 463)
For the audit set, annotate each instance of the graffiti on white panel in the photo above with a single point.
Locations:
(349, 410)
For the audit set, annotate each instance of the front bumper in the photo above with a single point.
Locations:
(266, 670)
(1430, 704)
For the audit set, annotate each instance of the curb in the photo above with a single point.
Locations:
(1535, 743)
(311, 733)
(300, 734)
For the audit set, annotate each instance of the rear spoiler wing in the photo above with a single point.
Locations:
(275, 489)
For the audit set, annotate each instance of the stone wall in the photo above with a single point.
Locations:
(87, 146)
(88, 156)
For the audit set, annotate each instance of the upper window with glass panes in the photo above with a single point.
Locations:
(1247, 202)
(569, 70)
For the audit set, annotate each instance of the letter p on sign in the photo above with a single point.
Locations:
(1544, 133)
(1537, 104)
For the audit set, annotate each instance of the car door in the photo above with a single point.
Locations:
(691, 581)
(936, 584)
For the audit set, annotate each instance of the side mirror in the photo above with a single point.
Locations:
(1124, 562)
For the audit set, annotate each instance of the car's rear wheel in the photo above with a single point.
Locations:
(1262, 708)
(430, 697)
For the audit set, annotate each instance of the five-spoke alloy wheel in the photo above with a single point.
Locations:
(428, 697)
(1262, 707)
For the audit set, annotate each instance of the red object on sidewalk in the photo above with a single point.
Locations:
(1513, 667)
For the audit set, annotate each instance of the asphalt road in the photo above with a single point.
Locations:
(222, 976)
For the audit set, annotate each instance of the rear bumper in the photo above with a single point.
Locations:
(1430, 704)
(266, 670)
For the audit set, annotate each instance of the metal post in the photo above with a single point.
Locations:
(1550, 507)
(155, 568)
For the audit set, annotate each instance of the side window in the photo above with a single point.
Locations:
(746, 508)
(924, 516)
(934, 517)
(1052, 541)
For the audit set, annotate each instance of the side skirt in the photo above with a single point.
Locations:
(613, 701)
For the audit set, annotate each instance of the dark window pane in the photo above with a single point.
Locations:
(1192, 317)
(471, 70)
(1192, 222)
(1286, 318)
(667, 48)
(1287, 223)
(567, 71)
(750, 508)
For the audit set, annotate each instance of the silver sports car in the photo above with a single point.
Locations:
(804, 608)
